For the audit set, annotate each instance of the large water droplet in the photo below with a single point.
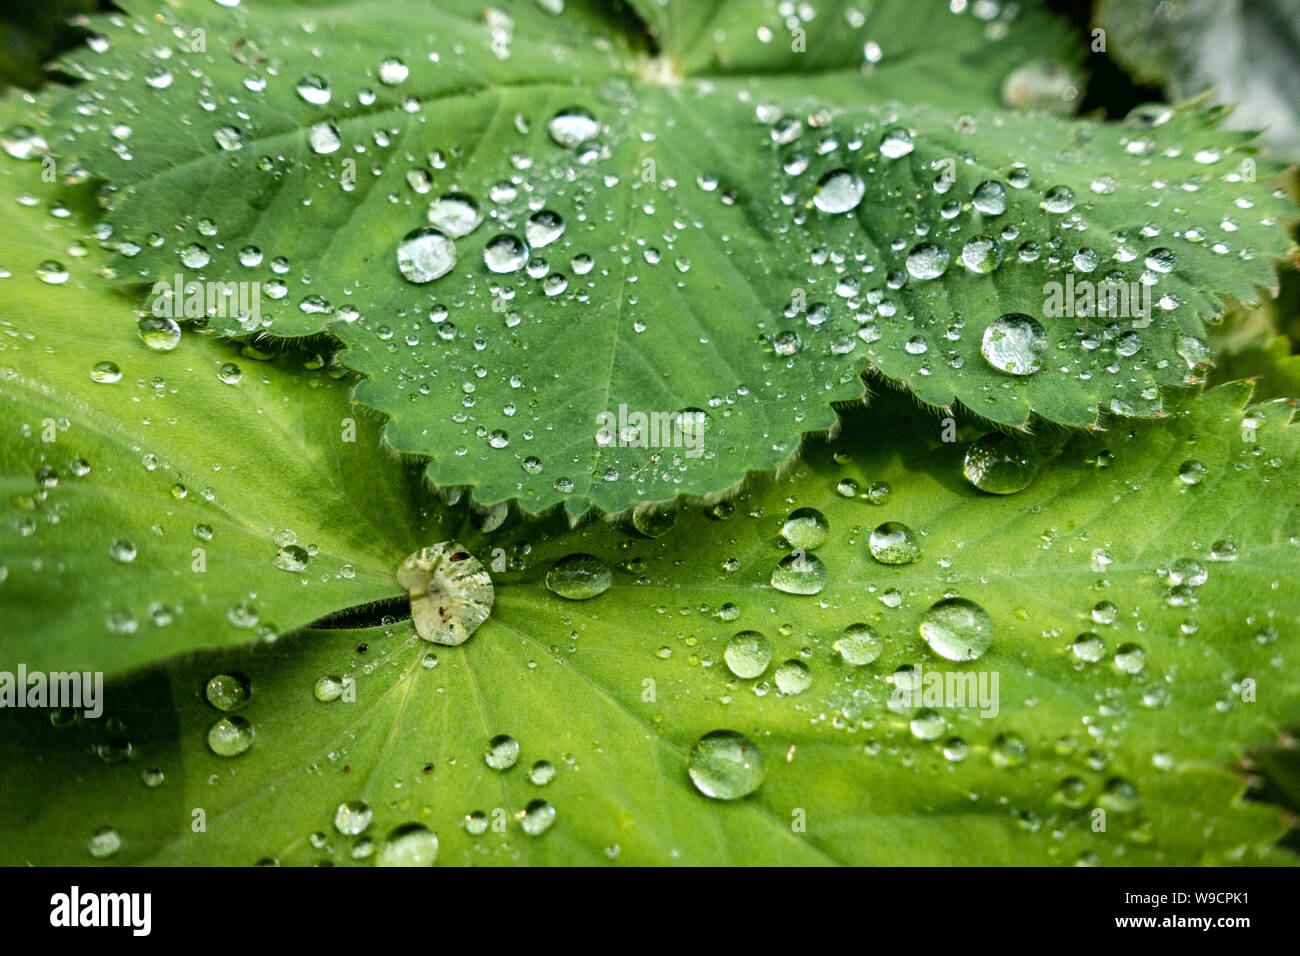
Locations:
(228, 691)
(805, 529)
(505, 253)
(456, 214)
(502, 752)
(999, 464)
(748, 654)
(543, 228)
(1015, 343)
(894, 543)
(725, 765)
(799, 573)
(412, 844)
(839, 191)
(572, 127)
(579, 577)
(425, 254)
(451, 592)
(927, 261)
(352, 818)
(230, 736)
(859, 644)
(957, 629)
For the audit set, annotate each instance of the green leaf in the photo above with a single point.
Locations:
(614, 691)
(142, 516)
(1245, 52)
(707, 253)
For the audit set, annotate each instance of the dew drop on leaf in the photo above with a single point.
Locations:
(425, 254)
(572, 127)
(502, 752)
(104, 842)
(859, 644)
(747, 654)
(957, 629)
(451, 592)
(839, 191)
(725, 765)
(894, 543)
(1015, 343)
(352, 818)
(230, 736)
(998, 464)
(505, 253)
(799, 573)
(228, 691)
(411, 844)
(537, 817)
(456, 214)
(579, 577)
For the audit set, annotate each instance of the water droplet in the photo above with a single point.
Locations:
(541, 773)
(159, 334)
(1161, 260)
(228, 691)
(411, 844)
(323, 138)
(1089, 647)
(121, 551)
(839, 191)
(654, 520)
(927, 261)
(543, 228)
(329, 688)
(52, 272)
(229, 137)
(747, 654)
(793, 677)
(505, 253)
(456, 214)
(896, 143)
(1192, 472)
(799, 573)
(1059, 200)
(572, 127)
(859, 644)
(1015, 344)
(104, 842)
(981, 254)
(314, 89)
(502, 752)
(579, 577)
(894, 543)
(393, 71)
(725, 765)
(999, 464)
(1131, 658)
(425, 254)
(230, 736)
(537, 817)
(352, 818)
(451, 592)
(957, 629)
(805, 529)
(291, 558)
(990, 198)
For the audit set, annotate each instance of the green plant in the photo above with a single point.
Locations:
(732, 215)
